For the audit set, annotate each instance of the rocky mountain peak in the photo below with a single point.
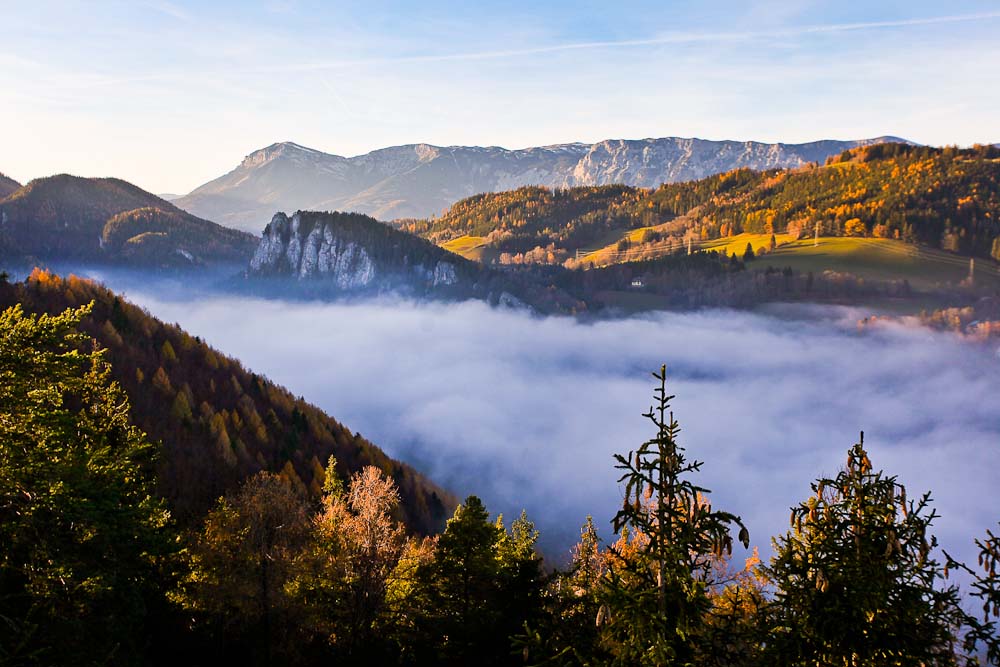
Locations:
(420, 180)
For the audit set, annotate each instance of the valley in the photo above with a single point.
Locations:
(501, 349)
(500, 334)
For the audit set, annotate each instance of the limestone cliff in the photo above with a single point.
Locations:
(350, 252)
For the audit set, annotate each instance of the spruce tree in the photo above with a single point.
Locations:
(83, 542)
(856, 581)
(482, 586)
(984, 634)
(656, 596)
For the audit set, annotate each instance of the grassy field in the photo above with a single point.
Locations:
(926, 269)
(738, 244)
(879, 259)
(609, 254)
(469, 247)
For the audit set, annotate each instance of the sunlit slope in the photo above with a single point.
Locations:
(609, 254)
(469, 247)
(879, 259)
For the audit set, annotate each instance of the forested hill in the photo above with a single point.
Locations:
(328, 254)
(110, 220)
(218, 422)
(7, 185)
(944, 198)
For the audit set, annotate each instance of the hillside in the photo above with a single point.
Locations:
(7, 186)
(420, 180)
(107, 219)
(945, 199)
(217, 422)
(335, 254)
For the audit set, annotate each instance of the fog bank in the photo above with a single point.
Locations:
(527, 412)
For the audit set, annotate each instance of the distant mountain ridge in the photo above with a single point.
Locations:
(944, 198)
(420, 180)
(110, 220)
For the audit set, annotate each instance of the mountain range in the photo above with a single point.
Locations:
(420, 180)
(942, 198)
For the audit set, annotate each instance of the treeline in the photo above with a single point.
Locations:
(945, 198)
(93, 570)
(217, 423)
(152, 237)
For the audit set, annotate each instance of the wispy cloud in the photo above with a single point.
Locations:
(170, 9)
(660, 40)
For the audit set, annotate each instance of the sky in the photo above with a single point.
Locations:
(169, 94)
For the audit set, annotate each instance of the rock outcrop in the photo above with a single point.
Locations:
(349, 252)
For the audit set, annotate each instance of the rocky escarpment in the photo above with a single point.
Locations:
(420, 180)
(350, 252)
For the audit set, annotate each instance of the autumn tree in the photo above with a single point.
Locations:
(83, 542)
(732, 636)
(855, 227)
(359, 543)
(856, 582)
(249, 550)
(657, 595)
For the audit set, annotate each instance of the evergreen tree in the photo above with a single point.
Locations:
(479, 590)
(656, 598)
(985, 633)
(566, 633)
(856, 581)
(82, 540)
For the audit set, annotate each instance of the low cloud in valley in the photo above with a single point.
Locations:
(527, 412)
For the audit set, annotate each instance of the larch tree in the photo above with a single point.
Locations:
(243, 562)
(359, 544)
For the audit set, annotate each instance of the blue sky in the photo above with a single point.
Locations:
(169, 94)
